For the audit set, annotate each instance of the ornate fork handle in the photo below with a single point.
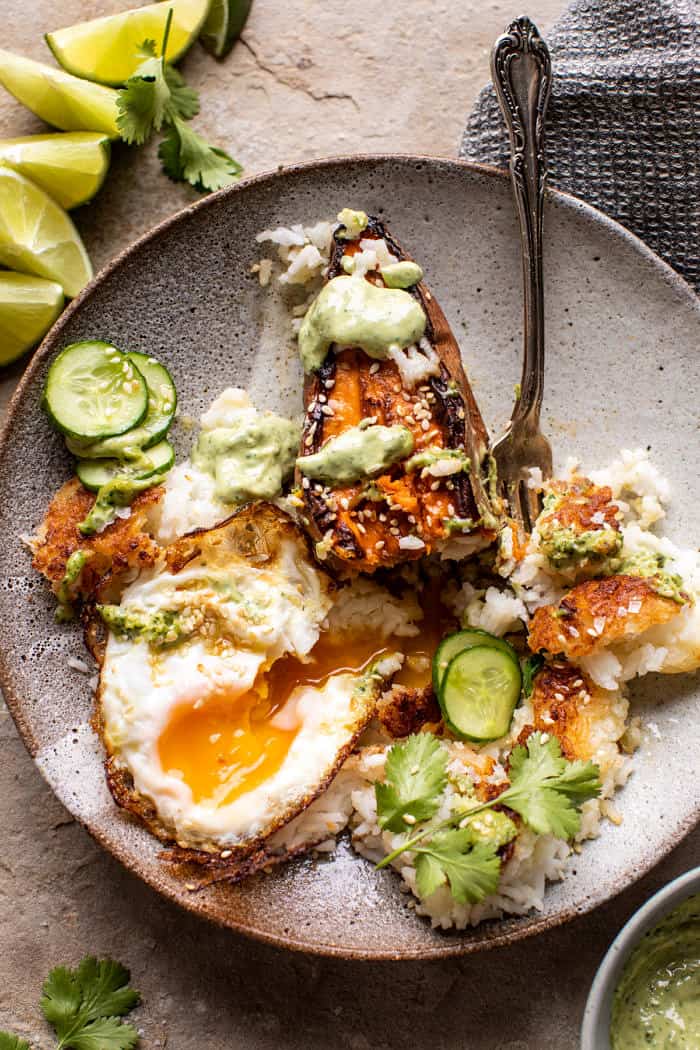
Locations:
(522, 74)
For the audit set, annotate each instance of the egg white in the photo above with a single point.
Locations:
(259, 611)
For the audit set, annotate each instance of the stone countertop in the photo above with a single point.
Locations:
(307, 80)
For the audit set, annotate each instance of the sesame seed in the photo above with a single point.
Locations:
(225, 854)
(327, 410)
(435, 486)
(451, 509)
(329, 383)
(425, 425)
(305, 483)
(344, 502)
(558, 696)
(382, 517)
(322, 399)
(460, 413)
(361, 528)
(379, 544)
(409, 818)
(373, 369)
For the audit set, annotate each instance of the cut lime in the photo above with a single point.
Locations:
(37, 236)
(70, 165)
(61, 100)
(28, 308)
(224, 25)
(106, 50)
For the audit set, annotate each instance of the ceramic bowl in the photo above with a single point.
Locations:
(622, 371)
(596, 1018)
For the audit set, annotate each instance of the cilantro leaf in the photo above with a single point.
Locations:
(184, 100)
(12, 1042)
(141, 104)
(105, 988)
(546, 790)
(187, 157)
(472, 871)
(60, 999)
(415, 778)
(81, 1005)
(154, 95)
(531, 668)
(106, 1033)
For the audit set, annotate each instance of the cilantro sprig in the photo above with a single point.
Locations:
(157, 97)
(12, 1042)
(85, 1006)
(545, 789)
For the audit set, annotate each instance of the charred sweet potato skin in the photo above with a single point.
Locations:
(362, 525)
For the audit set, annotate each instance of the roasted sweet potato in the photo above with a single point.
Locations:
(404, 513)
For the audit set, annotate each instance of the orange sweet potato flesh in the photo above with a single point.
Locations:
(361, 532)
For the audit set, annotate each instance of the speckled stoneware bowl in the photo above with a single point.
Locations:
(623, 370)
(595, 1031)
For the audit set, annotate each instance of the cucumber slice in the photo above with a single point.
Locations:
(162, 397)
(162, 402)
(94, 473)
(92, 391)
(456, 643)
(479, 692)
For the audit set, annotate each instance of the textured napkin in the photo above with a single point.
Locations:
(623, 125)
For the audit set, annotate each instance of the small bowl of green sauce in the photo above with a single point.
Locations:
(647, 990)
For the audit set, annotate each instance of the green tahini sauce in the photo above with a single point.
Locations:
(359, 452)
(351, 311)
(250, 458)
(657, 1002)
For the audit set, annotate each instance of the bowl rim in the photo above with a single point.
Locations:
(451, 947)
(653, 911)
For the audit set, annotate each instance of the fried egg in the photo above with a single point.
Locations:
(209, 712)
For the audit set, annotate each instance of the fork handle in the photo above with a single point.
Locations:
(522, 75)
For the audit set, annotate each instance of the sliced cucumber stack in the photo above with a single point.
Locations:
(478, 681)
(114, 410)
(162, 402)
(94, 473)
(92, 391)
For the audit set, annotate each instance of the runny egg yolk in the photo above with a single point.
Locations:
(225, 745)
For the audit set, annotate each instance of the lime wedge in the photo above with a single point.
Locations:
(28, 308)
(70, 165)
(37, 236)
(107, 49)
(224, 25)
(58, 98)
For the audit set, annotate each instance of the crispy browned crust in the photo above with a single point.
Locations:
(124, 546)
(355, 539)
(588, 617)
(578, 503)
(403, 711)
(565, 703)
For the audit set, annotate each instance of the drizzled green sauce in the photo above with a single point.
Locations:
(351, 311)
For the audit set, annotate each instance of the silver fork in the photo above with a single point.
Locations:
(522, 75)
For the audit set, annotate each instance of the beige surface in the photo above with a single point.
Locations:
(309, 79)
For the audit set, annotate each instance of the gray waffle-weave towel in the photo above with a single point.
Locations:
(623, 126)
